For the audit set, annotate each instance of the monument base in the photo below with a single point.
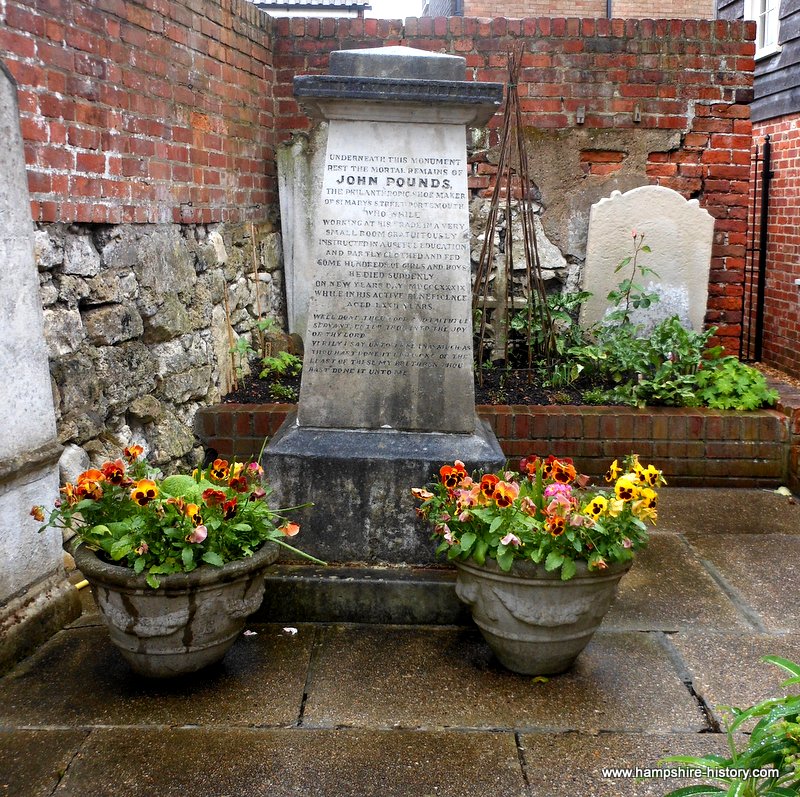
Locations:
(360, 484)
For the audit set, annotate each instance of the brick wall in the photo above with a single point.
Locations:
(143, 110)
(693, 77)
(694, 447)
(625, 9)
(781, 339)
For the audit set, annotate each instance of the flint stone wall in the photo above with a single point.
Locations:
(136, 328)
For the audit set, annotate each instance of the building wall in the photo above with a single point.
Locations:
(781, 339)
(777, 76)
(690, 81)
(150, 138)
(149, 143)
(133, 114)
(624, 9)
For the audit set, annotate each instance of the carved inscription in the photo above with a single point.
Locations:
(390, 305)
(387, 264)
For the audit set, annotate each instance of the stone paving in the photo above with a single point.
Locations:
(420, 711)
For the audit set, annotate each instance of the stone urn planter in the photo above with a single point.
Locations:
(535, 623)
(188, 622)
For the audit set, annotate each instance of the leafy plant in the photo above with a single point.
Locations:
(732, 385)
(279, 392)
(769, 765)
(241, 351)
(157, 526)
(543, 514)
(629, 294)
(281, 364)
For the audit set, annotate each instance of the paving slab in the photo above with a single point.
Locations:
(439, 678)
(284, 763)
(726, 510)
(80, 679)
(570, 764)
(763, 570)
(726, 669)
(32, 762)
(668, 589)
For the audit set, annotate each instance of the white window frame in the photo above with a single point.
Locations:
(766, 14)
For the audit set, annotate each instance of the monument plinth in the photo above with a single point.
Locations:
(387, 389)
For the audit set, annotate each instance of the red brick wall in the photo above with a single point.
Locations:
(143, 110)
(626, 9)
(691, 76)
(694, 447)
(781, 339)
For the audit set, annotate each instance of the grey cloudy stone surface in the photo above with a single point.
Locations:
(753, 565)
(679, 233)
(398, 62)
(452, 679)
(726, 668)
(264, 762)
(571, 764)
(29, 449)
(262, 674)
(693, 596)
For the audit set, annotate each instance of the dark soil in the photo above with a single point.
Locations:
(500, 386)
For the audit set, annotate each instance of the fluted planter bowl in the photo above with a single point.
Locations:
(534, 622)
(189, 622)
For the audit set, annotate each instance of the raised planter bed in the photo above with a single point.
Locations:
(694, 447)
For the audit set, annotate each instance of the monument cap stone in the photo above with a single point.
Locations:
(398, 62)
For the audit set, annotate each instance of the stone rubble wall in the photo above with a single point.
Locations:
(136, 327)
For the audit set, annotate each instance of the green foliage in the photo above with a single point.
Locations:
(157, 526)
(658, 370)
(731, 385)
(772, 750)
(541, 514)
(279, 392)
(281, 364)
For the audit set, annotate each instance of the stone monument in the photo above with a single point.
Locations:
(387, 389)
(679, 233)
(35, 597)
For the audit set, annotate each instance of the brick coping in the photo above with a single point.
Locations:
(696, 447)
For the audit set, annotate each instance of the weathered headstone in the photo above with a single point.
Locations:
(34, 596)
(679, 233)
(387, 390)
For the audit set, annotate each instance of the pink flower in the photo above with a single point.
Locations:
(142, 549)
(511, 539)
(557, 489)
(199, 533)
(464, 516)
(626, 543)
(527, 506)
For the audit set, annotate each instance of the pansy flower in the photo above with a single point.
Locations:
(452, 475)
(193, 513)
(512, 540)
(488, 484)
(229, 509)
(289, 529)
(144, 491)
(114, 472)
(555, 524)
(219, 470)
(613, 472)
(90, 484)
(213, 497)
(529, 465)
(198, 534)
(239, 484)
(132, 453)
(505, 493)
(625, 489)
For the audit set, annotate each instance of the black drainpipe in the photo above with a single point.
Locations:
(762, 246)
